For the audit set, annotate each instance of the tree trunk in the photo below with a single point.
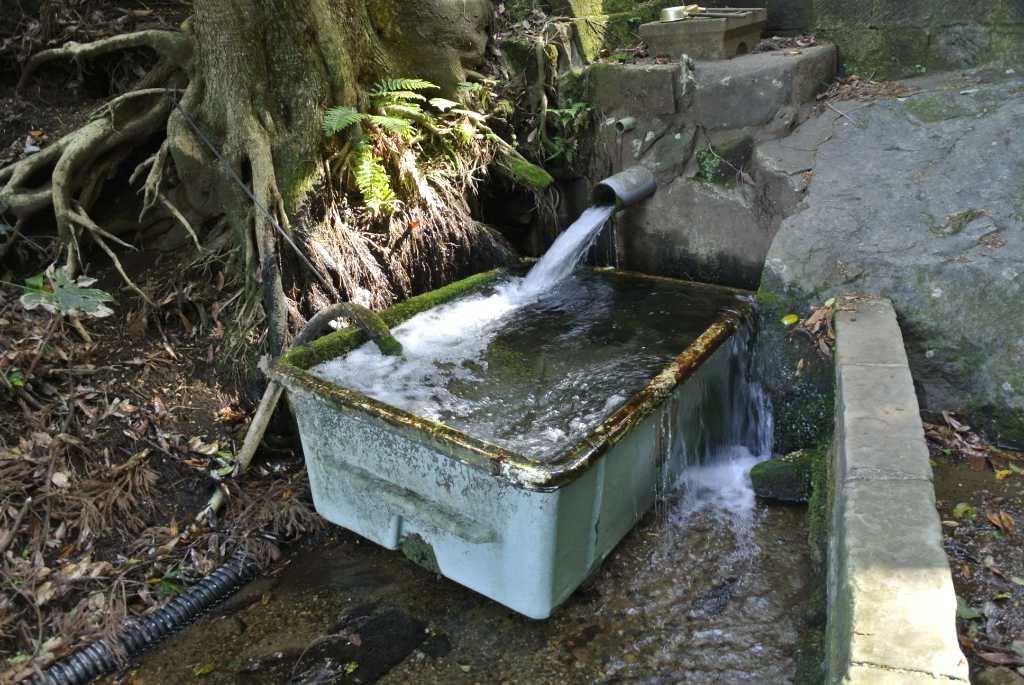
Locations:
(255, 78)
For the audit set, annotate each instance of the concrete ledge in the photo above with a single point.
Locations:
(891, 603)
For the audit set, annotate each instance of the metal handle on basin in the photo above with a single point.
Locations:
(625, 188)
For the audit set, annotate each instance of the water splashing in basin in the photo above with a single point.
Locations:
(494, 364)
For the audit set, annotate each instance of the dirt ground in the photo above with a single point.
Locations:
(115, 431)
(980, 497)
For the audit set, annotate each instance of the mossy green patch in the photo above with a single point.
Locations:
(811, 647)
(954, 223)
(786, 479)
(525, 172)
(343, 341)
(930, 110)
(420, 552)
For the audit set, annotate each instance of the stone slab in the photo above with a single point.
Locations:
(884, 676)
(871, 333)
(944, 154)
(749, 90)
(891, 602)
(647, 89)
(894, 606)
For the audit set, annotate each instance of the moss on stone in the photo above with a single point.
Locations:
(420, 552)
(340, 342)
(518, 51)
(1000, 424)
(954, 223)
(786, 479)
(930, 110)
(525, 172)
(811, 647)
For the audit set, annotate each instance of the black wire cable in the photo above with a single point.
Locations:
(263, 210)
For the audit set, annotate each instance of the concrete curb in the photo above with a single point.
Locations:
(891, 603)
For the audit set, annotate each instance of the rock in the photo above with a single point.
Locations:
(999, 676)
(786, 479)
(927, 210)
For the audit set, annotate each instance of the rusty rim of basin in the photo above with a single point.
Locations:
(292, 371)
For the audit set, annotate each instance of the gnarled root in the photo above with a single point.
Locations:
(78, 164)
(174, 47)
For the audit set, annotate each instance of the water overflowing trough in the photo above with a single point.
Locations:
(532, 421)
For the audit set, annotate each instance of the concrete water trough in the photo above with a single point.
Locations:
(523, 531)
(721, 33)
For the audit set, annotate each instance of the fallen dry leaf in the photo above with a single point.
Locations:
(1000, 519)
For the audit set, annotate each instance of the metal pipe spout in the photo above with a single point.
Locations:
(625, 188)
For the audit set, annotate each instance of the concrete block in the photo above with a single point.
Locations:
(870, 333)
(706, 37)
(698, 231)
(862, 674)
(894, 605)
(748, 91)
(891, 602)
(648, 89)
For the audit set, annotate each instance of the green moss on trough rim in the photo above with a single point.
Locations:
(521, 471)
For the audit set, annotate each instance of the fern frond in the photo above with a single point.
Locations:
(401, 84)
(337, 119)
(405, 110)
(373, 181)
(400, 95)
(475, 116)
(443, 104)
(394, 124)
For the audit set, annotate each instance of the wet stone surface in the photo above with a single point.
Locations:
(711, 588)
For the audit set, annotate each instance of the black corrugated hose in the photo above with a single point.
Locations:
(96, 659)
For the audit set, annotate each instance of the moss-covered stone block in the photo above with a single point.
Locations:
(785, 479)
(880, 53)
(518, 51)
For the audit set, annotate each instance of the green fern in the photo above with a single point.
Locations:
(393, 124)
(338, 119)
(403, 96)
(373, 181)
(391, 86)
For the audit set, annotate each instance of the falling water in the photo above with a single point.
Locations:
(567, 251)
(738, 431)
(446, 348)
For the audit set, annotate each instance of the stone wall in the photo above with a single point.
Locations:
(895, 38)
(876, 38)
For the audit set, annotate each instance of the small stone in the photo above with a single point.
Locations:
(786, 479)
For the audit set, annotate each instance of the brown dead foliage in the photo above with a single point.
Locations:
(956, 436)
(855, 87)
(109, 446)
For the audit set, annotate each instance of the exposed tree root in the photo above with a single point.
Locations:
(172, 46)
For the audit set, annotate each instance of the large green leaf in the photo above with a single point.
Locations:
(67, 296)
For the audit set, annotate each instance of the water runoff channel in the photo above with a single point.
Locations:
(710, 587)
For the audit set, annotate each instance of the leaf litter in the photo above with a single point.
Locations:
(110, 444)
(983, 497)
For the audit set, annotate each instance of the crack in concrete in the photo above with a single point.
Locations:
(896, 669)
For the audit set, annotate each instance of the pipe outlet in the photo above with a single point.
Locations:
(625, 124)
(625, 188)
